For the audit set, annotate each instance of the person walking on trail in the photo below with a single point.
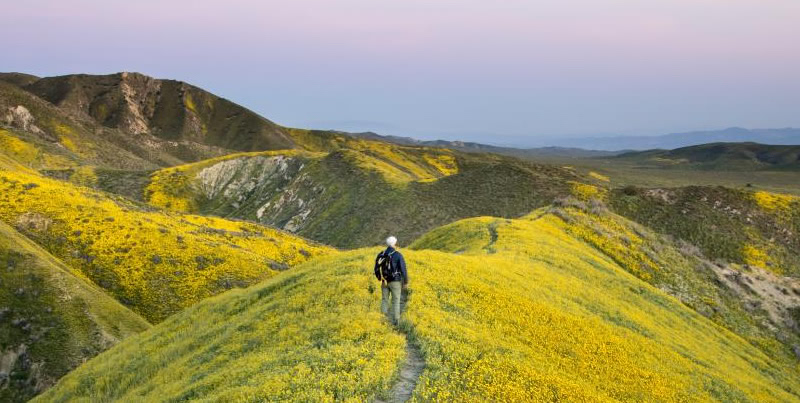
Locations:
(390, 269)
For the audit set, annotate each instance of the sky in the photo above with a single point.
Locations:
(499, 71)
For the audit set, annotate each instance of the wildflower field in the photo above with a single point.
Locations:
(309, 335)
(502, 310)
(155, 262)
(519, 315)
(53, 320)
(179, 188)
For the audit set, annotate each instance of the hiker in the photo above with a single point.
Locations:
(390, 269)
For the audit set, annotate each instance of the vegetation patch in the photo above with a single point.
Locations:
(774, 201)
(586, 192)
(51, 319)
(600, 177)
(156, 263)
(726, 224)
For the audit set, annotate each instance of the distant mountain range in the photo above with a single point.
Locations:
(611, 146)
(785, 136)
(466, 146)
(725, 156)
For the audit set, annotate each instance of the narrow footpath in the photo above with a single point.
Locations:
(411, 370)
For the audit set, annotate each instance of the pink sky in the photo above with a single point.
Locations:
(455, 69)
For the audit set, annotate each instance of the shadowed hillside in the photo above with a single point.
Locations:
(18, 79)
(129, 120)
(62, 140)
(722, 156)
(506, 310)
(169, 109)
(51, 319)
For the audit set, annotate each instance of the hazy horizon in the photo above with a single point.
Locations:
(511, 72)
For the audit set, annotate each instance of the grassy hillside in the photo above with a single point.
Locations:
(51, 319)
(507, 310)
(18, 79)
(571, 302)
(722, 156)
(755, 228)
(348, 192)
(639, 172)
(154, 262)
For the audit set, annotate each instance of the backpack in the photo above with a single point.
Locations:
(385, 270)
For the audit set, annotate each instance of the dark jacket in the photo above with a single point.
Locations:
(398, 263)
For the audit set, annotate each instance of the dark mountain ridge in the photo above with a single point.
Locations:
(780, 136)
(728, 156)
(467, 146)
(169, 109)
(130, 121)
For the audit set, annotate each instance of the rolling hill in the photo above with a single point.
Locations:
(351, 192)
(154, 262)
(51, 318)
(468, 146)
(131, 121)
(62, 140)
(721, 156)
(756, 228)
(500, 309)
(784, 136)
(168, 109)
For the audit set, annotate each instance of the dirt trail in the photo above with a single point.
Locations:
(409, 374)
(411, 370)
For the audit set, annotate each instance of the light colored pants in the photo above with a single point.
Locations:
(395, 289)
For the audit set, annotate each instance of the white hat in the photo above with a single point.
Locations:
(391, 241)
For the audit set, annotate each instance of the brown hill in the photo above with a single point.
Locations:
(169, 109)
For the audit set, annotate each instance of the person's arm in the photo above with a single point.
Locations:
(403, 269)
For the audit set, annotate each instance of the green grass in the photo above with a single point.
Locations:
(724, 223)
(52, 316)
(310, 335)
(623, 173)
(510, 312)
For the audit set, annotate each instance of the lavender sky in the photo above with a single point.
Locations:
(501, 71)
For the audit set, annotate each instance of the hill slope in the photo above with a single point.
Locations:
(18, 79)
(722, 156)
(507, 310)
(786, 136)
(756, 228)
(350, 192)
(171, 110)
(62, 140)
(51, 320)
(129, 120)
(467, 146)
(156, 263)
